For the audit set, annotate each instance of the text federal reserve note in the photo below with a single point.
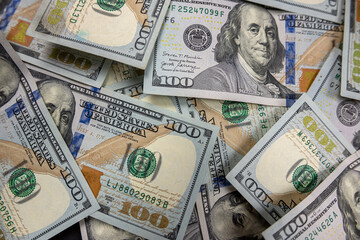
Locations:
(124, 31)
(39, 177)
(209, 49)
(81, 66)
(344, 113)
(330, 10)
(331, 211)
(293, 157)
(350, 85)
(144, 164)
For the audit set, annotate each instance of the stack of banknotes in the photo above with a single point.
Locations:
(179, 119)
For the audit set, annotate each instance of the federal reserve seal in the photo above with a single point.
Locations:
(141, 163)
(348, 112)
(235, 112)
(197, 37)
(22, 182)
(304, 178)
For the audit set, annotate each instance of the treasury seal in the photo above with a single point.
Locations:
(197, 37)
(22, 182)
(348, 112)
(235, 112)
(111, 5)
(304, 178)
(141, 163)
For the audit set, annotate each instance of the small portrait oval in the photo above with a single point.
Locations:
(348, 112)
(141, 163)
(197, 37)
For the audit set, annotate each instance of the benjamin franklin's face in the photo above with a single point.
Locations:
(257, 40)
(235, 218)
(351, 186)
(9, 82)
(60, 104)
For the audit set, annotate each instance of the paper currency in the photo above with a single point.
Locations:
(241, 126)
(344, 113)
(124, 31)
(93, 229)
(293, 157)
(350, 74)
(81, 66)
(121, 72)
(329, 212)
(197, 55)
(40, 179)
(330, 10)
(144, 164)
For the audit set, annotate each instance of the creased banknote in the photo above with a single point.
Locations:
(124, 31)
(121, 72)
(330, 10)
(81, 66)
(344, 113)
(241, 126)
(144, 164)
(293, 157)
(350, 85)
(331, 211)
(239, 52)
(42, 191)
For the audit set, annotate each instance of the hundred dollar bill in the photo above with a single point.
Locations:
(203, 51)
(293, 157)
(81, 66)
(143, 163)
(344, 113)
(121, 72)
(329, 212)
(330, 10)
(42, 191)
(350, 85)
(241, 126)
(124, 31)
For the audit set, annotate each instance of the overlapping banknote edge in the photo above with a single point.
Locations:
(97, 51)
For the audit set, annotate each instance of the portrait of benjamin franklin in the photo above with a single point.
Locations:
(248, 50)
(60, 102)
(9, 80)
(348, 193)
(233, 218)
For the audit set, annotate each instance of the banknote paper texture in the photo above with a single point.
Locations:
(344, 113)
(330, 10)
(350, 85)
(81, 66)
(124, 31)
(128, 150)
(293, 157)
(330, 211)
(206, 50)
(121, 72)
(39, 178)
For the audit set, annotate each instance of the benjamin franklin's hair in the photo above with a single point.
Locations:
(349, 223)
(226, 48)
(69, 135)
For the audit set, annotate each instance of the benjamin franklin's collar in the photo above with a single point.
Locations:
(250, 71)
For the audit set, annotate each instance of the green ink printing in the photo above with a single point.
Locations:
(22, 182)
(141, 163)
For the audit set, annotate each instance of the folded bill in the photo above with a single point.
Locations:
(81, 66)
(124, 31)
(293, 157)
(40, 178)
(143, 163)
(331, 10)
(329, 212)
(350, 73)
(238, 51)
(344, 113)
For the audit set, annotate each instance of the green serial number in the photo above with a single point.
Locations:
(206, 11)
(323, 226)
(136, 194)
(6, 216)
